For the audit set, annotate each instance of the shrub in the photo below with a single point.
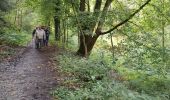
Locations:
(12, 38)
(82, 83)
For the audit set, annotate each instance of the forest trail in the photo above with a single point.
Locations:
(31, 78)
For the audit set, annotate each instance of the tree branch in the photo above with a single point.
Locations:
(82, 5)
(97, 5)
(126, 20)
(99, 24)
(104, 12)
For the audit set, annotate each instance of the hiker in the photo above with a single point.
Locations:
(44, 40)
(33, 33)
(39, 37)
(47, 33)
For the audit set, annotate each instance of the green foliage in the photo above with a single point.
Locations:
(82, 82)
(151, 85)
(85, 70)
(13, 38)
(4, 5)
(101, 91)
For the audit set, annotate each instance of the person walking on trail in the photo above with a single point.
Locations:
(47, 33)
(39, 37)
(33, 36)
(33, 33)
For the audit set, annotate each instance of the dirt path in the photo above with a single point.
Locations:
(31, 78)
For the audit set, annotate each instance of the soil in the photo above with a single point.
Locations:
(29, 76)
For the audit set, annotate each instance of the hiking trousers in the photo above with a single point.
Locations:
(39, 43)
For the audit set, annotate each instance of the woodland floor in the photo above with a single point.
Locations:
(29, 76)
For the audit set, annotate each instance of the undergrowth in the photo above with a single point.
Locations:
(91, 79)
(11, 41)
(14, 38)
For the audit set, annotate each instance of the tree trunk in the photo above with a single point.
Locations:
(82, 37)
(57, 28)
(57, 20)
(89, 41)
